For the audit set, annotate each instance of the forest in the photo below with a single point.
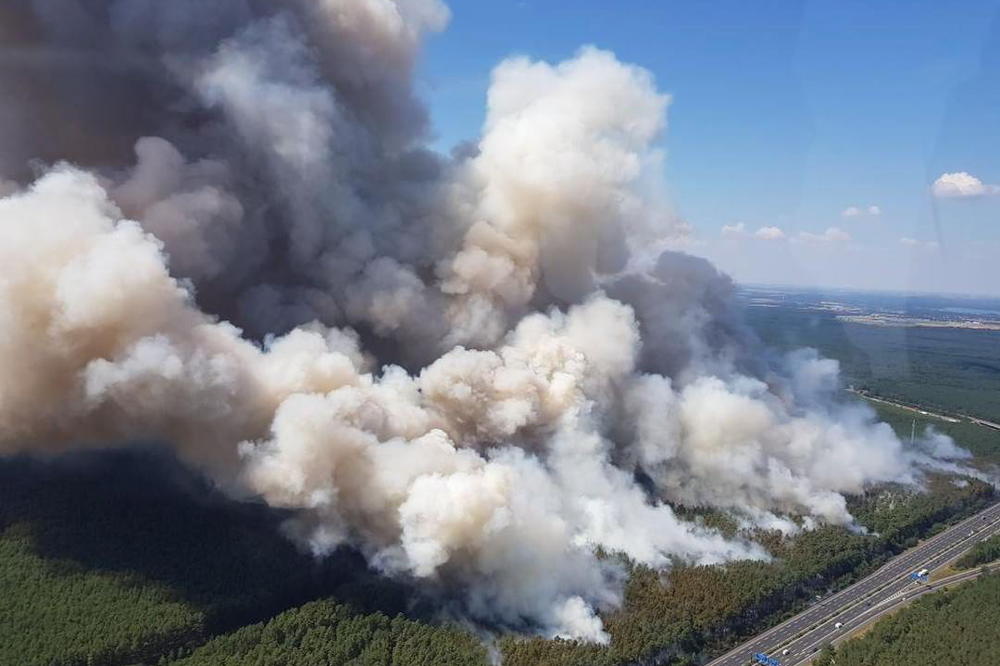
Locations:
(126, 557)
(952, 370)
(982, 553)
(958, 626)
(983, 442)
(325, 632)
(122, 557)
(696, 611)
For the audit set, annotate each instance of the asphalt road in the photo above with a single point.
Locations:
(873, 613)
(804, 634)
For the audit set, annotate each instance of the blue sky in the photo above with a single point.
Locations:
(787, 114)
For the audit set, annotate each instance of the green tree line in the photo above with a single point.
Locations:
(983, 552)
(325, 632)
(957, 626)
(106, 563)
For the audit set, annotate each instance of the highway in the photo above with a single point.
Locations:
(872, 613)
(804, 634)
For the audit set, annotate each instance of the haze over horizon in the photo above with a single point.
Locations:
(829, 288)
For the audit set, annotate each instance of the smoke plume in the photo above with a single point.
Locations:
(221, 227)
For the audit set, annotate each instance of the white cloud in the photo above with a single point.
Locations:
(860, 211)
(837, 235)
(914, 243)
(769, 233)
(737, 230)
(831, 235)
(961, 184)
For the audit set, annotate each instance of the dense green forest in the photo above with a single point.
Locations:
(983, 442)
(982, 553)
(125, 557)
(958, 626)
(120, 557)
(949, 369)
(325, 632)
(689, 612)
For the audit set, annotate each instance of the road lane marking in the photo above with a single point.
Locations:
(925, 552)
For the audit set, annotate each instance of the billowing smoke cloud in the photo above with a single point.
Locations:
(220, 227)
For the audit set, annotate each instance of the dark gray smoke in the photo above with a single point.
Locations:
(275, 163)
(220, 227)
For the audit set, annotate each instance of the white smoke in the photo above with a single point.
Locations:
(558, 181)
(459, 367)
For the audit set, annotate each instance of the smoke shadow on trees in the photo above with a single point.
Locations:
(141, 513)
